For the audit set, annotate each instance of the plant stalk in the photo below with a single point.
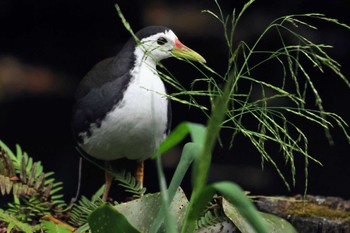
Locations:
(202, 164)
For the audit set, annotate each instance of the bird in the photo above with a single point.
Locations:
(121, 109)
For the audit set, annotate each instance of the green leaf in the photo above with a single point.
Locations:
(233, 214)
(277, 224)
(142, 212)
(274, 223)
(97, 196)
(237, 197)
(15, 223)
(84, 228)
(51, 227)
(197, 132)
(107, 219)
(189, 152)
(7, 150)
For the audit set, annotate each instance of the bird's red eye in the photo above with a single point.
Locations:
(161, 41)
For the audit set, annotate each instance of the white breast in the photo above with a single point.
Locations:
(137, 126)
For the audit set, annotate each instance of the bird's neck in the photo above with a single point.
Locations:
(144, 60)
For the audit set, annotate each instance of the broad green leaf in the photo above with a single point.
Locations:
(142, 212)
(275, 224)
(106, 219)
(51, 227)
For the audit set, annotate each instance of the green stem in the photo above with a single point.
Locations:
(202, 164)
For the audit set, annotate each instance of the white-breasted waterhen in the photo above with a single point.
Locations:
(121, 110)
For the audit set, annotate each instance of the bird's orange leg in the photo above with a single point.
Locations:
(108, 183)
(139, 174)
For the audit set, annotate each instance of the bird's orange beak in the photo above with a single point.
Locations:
(182, 51)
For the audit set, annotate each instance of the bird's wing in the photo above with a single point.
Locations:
(100, 90)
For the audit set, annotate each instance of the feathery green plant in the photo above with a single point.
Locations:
(212, 215)
(84, 207)
(271, 121)
(273, 124)
(34, 192)
(130, 184)
(14, 223)
(21, 176)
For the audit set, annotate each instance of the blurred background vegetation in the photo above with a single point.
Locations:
(46, 47)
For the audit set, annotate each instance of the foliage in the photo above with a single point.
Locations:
(273, 123)
(14, 223)
(270, 123)
(34, 192)
(212, 215)
(84, 207)
(129, 183)
(232, 106)
(81, 210)
(275, 224)
(140, 214)
(106, 219)
(19, 174)
(29, 209)
(51, 227)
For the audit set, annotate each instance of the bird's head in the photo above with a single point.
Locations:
(160, 42)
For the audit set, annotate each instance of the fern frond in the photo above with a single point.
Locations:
(6, 165)
(35, 193)
(5, 185)
(20, 173)
(212, 215)
(130, 183)
(29, 209)
(81, 210)
(25, 175)
(18, 189)
(14, 223)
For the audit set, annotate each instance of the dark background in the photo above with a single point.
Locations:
(46, 47)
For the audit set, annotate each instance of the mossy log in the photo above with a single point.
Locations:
(312, 214)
